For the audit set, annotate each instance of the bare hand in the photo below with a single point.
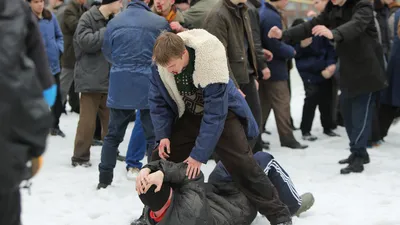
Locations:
(321, 30)
(268, 55)
(275, 32)
(193, 169)
(331, 68)
(157, 179)
(176, 26)
(164, 145)
(266, 73)
(306, 42)
(326, 74)
(141, 180)
(241, 92)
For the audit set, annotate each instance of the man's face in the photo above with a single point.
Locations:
(37, 6)
(163, 6)
(116, 6)
(82, 2)
(282, 4)
(175, 66)
(338, 2)
(320, 5)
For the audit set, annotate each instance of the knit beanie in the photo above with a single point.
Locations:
(155, 201)
(105, 2)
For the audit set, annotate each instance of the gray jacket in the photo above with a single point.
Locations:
(91, 67)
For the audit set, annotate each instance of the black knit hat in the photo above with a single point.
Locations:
(105, 2)
(155, 201)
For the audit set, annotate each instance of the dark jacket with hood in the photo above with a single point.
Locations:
(196, 203)
(357, 45)
(25, 117)
(231, 25)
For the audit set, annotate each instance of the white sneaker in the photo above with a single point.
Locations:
(132, 173)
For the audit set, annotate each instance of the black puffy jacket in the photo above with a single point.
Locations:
(24, 115)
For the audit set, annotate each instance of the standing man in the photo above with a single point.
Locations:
(91, 77)
(168, 10)
(361, 67)
(58, 7)
(128, 42)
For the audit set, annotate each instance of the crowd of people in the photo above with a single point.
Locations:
(199, 78)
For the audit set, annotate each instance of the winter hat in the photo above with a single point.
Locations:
(155, 201)
(105, 2)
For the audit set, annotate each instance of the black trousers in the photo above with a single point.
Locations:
(317, 95)
(235, 153)
(375, 132)
(97, 132)
(387, 114)
(57, 109)
(73, 99)
(10, 208)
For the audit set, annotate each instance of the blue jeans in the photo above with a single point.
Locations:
(357, 114)
(119, 120)
(137, 145)
(278, 176)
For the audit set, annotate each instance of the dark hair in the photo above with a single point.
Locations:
(168, 46)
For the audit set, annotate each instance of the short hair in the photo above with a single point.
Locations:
(168, 46)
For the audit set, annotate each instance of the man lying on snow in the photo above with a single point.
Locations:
(196, 108)
(171, 198)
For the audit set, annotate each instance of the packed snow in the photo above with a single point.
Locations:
(63, 195)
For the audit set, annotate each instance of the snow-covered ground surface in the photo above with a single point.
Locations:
(63, 195)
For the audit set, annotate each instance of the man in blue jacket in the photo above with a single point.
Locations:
(128, 44)
(196, 108)
(274, 93)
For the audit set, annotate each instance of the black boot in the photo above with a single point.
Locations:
(309, 137)
(140, 221)
(356, 166)
(294, 145)
(351, 158)
(330, 133)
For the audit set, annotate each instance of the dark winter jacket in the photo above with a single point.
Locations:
(25, 117)
(254, 16)
(357, 46)
(128, 45)
(59, 11)
(269, 17)
(198, 11)
(313, 59)
(91, 67)
(52, 39)
(70, 20)
(382, 15)
(211, 74)
(391, 95)
(197, 203)
(230, 23)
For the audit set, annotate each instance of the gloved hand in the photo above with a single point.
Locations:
(50, 95)
(36, 165)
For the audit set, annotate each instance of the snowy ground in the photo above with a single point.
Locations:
(62, 195)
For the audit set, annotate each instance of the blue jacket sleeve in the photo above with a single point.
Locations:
(277, 47)
(58, 35)
(107, 45)
(330, 54)
(161, 113)
(212, 124)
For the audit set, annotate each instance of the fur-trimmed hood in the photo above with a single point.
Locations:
(211, 65)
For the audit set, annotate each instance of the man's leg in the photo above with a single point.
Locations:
(375, 137)
(137, 145)
(10, 208)
(66, 79)
(265, 102)
(309, 107)
(148, 129)
(346, 110)
(73, 99)
(387, 113)
(236, 155)
(84, 132)
(119, 120)
(57, 109)
(325, 105)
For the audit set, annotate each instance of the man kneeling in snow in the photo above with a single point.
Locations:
(171, 198)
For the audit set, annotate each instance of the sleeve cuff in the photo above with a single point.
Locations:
(337, 37)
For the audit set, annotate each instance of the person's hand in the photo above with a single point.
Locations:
(157, 179)
(331, 68)
(266, 73)
(241, 92)
(164, 145)
(36, 165)
(193, 169)
(176, 26)
(141, 182)
(306, 42)
(321, 30)
(268, 55)
(257, 84)
(275, 32)
(326, 74)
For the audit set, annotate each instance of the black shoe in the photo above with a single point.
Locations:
(57, 132)
(121, 158)
(351, 158)
(140, 221)
(294, 145)
(96, 142)
(330, 133)
(102, 186)
(309, 137)
(83, 164)
(285, 223)
(356, 166)
(265, 146)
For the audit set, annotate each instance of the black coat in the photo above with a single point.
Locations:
(196, 203)
(25, 116)
(357, 45)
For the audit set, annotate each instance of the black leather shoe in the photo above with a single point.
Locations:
(294, 145)
(356, 166)
(351, 158)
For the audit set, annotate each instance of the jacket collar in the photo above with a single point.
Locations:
(77, 5)
(255, 3)
(138, 4)
(235, 9)
(270, 6)
(96, 13)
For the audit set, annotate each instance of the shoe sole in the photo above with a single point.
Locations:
(348, 172)
(307, 208)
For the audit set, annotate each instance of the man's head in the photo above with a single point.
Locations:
(54, 3)
(114, 6)
(37, 6)
(82, 2)
(320, 5)
(157, 201)
(338, 2)
(170, 52)
(388, 2)
(280, 4)
(163, 7)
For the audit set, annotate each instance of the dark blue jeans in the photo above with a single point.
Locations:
(137, 145)
(278, 176)
(119, 120)
(357, 114)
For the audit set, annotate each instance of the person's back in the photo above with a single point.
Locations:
(198, 12)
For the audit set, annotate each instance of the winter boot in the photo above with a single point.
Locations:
(57, 132)
(294, 145)
(83, 164)
(330, 133)
(97, 142)
(351, 158)
(307, 201)
(309, 137)
(356, 166)
(102, 186)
